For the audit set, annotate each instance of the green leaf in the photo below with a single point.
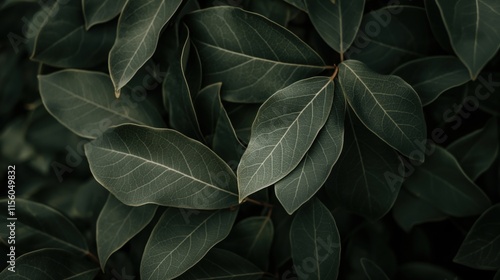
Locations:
(80, 100)
(242, 117)
(139, 28)
(298, 3)
(472, 28)
(176, 243)
(392, 35)
(276, 10)
(284, 129)
(180, 87)
(477, 151)
(51, 264)
(481, 247)
(39, 226)
(372, 270)
(223, 137)
(386, 105)
(63, 41)
(431, 76)
(337, 22)
(437, 25)
(280, 250)
(306, 179)
(117, 224)
(409, 211)
(441, 181)
(420, 270)
(315, 242)
(227, 37)
(141, 165)
(364, 179)
(222, 264)
(99, 11)
(252, 238)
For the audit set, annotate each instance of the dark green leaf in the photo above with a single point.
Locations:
(141, 165)
(386, 105)
(280, 250)
(437, 25)
(431, 76)
(372, 270)
(224, 265)
(276, 10)
(80, 100)
(242, 117)
(481, 247)
(244, 51)
(251, 238)
(63, 41)
(336, 21)
(315, 242)
(179, 241)
(472, 28)
(427, 271)
(51, 264)
(476, 151)
(298, 3)
(364, 179)
(441, 181)
(284, 129)
(117, 224)
(139, 28)
(304, 181)
(99, 11)
(39, 226)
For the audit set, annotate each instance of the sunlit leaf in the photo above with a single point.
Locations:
(244, 51)
(177, 243)
(141, 165)
(284, 129)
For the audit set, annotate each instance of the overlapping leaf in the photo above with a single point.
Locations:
(141, 165)
(80, 100)
(336, 21)
(315, 242)
(138, 31)
(284, 129)
(245, 52)
(305, 180)
(441, 182)
(386, 105)
(481, 247)
(117, 224)
(472, 28)
(176, 243)
(365, 179)
(431, 76)
(99, 11)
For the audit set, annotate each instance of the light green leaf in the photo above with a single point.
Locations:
(117, 224)
(431, 76)
(391, 36)
(441, 181)
(51, 264)
(176, 243)
(222, 264)
(409, 211)
(181, 85)
(386, 105)
(80, 100)
(372, 270)
(141, 165)
(252, 238)
(315, 242)
(337, 22)
(472, 28)
(365, 180)
(227, 37)
(476, 151)
(63, 41)
(284, 129)
(99, 11)
(307, 178)
(481, 247)
(39, 226)
(139, 28)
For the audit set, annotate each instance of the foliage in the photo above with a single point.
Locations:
(251, 139)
